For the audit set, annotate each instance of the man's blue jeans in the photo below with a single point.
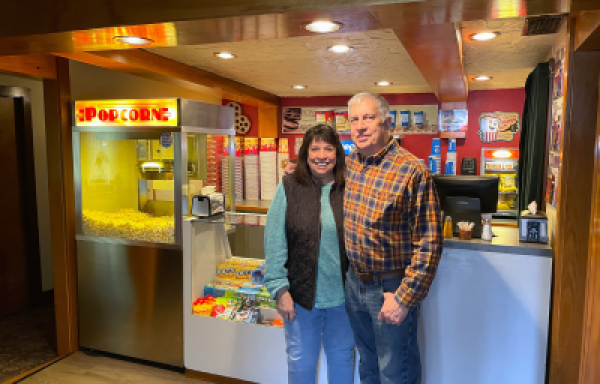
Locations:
(389, 354)
(303, 345)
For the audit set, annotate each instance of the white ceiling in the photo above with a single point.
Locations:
(509, 58)
(275, 65)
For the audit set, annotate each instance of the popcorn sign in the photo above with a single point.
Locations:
(126, 113)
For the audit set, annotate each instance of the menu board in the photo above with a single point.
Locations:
(406, 119)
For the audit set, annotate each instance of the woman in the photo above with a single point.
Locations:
(306, 260)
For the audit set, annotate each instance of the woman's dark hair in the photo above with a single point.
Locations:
(326, 133)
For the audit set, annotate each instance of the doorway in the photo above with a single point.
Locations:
(27, 329)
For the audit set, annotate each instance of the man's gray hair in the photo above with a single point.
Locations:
(382, 104)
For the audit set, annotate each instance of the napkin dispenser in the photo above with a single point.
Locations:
(533, 228)
(209, 204)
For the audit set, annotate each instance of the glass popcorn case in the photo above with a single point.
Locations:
(137, 165)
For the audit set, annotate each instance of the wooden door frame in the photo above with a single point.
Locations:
(27, 185)
(57, 105)
(590, 350)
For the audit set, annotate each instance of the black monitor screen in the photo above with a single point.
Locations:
(484, 188)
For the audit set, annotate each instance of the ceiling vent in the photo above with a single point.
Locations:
(542, 25)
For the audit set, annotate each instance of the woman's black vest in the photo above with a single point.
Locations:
(303, 231)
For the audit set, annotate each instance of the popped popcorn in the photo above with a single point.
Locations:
(129, 224)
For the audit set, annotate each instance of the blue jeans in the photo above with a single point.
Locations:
(303, 345)
(389, 354)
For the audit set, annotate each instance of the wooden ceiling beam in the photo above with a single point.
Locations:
(35, 66)
(436, 50)
(587, 31)
(149, 65)
(67, 27)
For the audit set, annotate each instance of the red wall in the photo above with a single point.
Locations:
(252, 114)
(505, 100)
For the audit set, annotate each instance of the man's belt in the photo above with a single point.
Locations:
(377, 276)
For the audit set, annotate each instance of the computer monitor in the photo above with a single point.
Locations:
(465, 198)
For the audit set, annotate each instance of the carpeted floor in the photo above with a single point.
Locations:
(27, 340)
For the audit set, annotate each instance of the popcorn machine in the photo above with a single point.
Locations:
(137, 166)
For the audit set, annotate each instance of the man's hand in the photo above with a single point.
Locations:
(392, 312)
(285, 305)
(289, 168)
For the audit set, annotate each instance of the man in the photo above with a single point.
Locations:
(393, 238)
(393, 235)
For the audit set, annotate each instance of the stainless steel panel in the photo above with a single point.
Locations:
(131, 300)
(203, 115)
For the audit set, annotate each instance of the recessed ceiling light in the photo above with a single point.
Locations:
(481, 78)
(323, 26)
(225, 55)
(133, 40)
(299, 86)
(340, 48)
(483, 36)
(383, 83)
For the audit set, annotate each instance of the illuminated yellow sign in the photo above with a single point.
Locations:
(126, 113)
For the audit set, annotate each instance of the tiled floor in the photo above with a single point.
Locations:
(80, 368)
(27, 340)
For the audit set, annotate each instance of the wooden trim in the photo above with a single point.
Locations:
(587, 31)
(436, 50)
(146, 64)
(590, 351)
(572, 245)
(214, 379)
(453, 135)
(33, 371)
(251, 208)
(57, 102)
(35, 66)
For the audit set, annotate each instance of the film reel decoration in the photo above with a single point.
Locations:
(242, 123)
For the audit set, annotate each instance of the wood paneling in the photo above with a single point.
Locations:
(21, 281)
(37, 66)
(181, 22)
(590, 353)
(57, 106)
(13, 263)
(145, 64)
(269, 121)
(573, 218)
(437, 52)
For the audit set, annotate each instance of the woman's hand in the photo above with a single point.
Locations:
(285, 305)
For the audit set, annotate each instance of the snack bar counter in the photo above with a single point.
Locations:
(137, 165)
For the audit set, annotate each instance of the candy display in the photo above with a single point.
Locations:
(129, 224)
(234, 296)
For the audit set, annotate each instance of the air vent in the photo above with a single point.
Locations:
(542, 25)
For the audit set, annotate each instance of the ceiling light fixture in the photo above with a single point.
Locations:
(340, 48)
(484, 36)
(133, 40)
(225, 55)
(323, 26)
(299, 86)
(481, 78)
(383, 83)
